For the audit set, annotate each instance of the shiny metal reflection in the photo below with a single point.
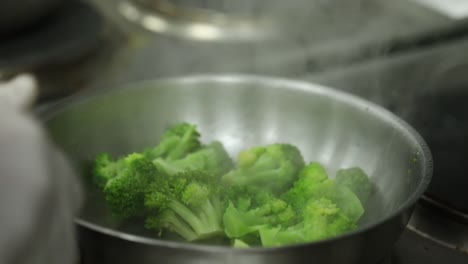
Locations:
(194, 24)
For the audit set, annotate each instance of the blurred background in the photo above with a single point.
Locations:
(410, 56)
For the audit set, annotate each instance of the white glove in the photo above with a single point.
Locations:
(39, 192)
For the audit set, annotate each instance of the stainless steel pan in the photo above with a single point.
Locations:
(331, 127)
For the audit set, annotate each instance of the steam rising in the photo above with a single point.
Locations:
(308, 37)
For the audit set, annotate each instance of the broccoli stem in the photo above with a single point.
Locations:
(166, 167)
(205, 223)
(263, 170)
(180, 149)
(218, 207)
(263, 164)
(180, 227)
(266, 176)
(240, 244)
(237, 177)
(186, 214)
(212, 219)
(163, 148)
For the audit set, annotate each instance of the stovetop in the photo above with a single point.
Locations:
(415, 246)
(414, 249)
(434, 235)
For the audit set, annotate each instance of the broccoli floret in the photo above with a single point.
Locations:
(309, 183)
(356, 180)
(105, 168)
(321, 219)
(280, 236)
(238, 223)
(269, 198)
(176, 142)
(347, 201)
(169, 220)
(186, 203)
(324, 219)
(125, 192)
(212, 158)
(240, 244)
(314, 183)
(273, 167)
(249, 209)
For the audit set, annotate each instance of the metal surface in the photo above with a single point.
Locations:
(196, 24)
(442, 225)
(325, 47)
(274, 20)
(434, 235)
(246, 20)
(415, 249)
(127, 55)
(65, 35)
(428, 89)
(331, 127)
(18, 14)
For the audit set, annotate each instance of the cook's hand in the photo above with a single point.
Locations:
(18, 93)
(39, 192)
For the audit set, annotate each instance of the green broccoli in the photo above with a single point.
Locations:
(240, 244)
(273, 167)
(311, 180)
(169, 220)
(281, 236)
(269, 198)
(125, 192)
(212, 158)
(357, 181)
(347, 201)
(324, 219)
(187, 203)
(314, 183)
(321, 219)
(105, 168)
(239, 223)
(176, 142)
(249, 209)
